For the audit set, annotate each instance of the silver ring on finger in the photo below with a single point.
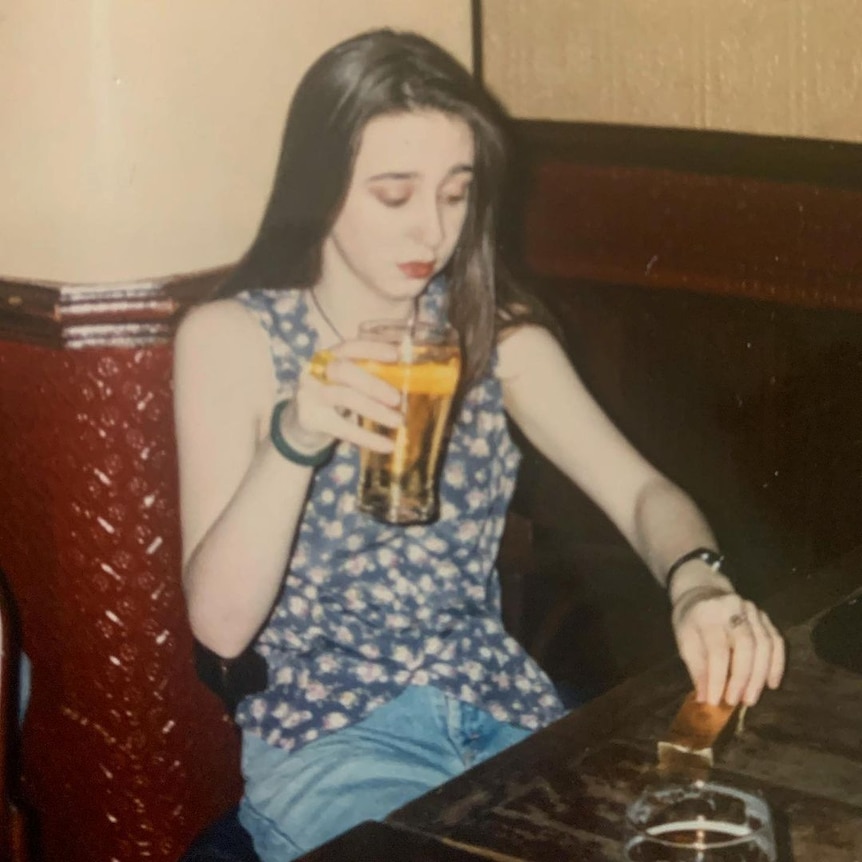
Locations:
(736, 621)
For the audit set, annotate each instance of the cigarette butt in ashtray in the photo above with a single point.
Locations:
(697, 731)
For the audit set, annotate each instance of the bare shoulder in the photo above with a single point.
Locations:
(223, 331)
(527, 349)
(223, 344)
(223, 325)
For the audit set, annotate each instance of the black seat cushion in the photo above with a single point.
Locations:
(837, 635)
(223, 841)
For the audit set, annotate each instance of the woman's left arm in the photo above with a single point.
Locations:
(549, 402)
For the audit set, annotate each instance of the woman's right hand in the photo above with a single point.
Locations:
(325, 407)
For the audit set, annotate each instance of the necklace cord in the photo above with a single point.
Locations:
(324, 315)
(411, 323)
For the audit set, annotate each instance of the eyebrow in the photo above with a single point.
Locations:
(409, 175)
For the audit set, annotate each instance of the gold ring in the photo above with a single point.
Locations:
(319, 366)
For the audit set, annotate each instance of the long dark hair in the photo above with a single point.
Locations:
(376, 73)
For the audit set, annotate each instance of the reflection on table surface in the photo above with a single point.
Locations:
(562, 793)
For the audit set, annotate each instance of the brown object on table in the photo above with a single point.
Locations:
(562, 793)
(696, 731)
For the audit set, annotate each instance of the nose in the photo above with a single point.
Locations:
(429, 227)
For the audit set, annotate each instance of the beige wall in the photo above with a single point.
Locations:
(791, 67)
(138, 137)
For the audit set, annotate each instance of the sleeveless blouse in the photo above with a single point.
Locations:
(367, 609)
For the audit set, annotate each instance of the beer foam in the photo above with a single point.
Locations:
(432, 376)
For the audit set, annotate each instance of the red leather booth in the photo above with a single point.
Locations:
(125, 754)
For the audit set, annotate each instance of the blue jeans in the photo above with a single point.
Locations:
(296, 801)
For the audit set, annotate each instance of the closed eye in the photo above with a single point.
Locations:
(393, 201)
(456, 196)
(392, 193)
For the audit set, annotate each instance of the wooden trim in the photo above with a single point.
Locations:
(767, 157)
(122, 314)
(769, 219)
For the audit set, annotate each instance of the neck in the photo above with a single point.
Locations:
(347, 302)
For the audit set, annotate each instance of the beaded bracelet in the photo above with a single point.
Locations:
(285, 449)
(712, 558)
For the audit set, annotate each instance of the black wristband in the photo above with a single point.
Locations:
(712, 558)
(286, 450)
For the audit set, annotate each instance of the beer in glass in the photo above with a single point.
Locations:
(401, 487)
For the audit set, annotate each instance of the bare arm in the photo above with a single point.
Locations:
(240, 500)
(547, 399)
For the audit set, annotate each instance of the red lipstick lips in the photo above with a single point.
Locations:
(417, 269)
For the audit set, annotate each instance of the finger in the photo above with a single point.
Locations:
(757, 650)
(346, 398)
(323, 408)
(698, 623)
(742, 650)
(717, 661)
(751, 650)
(761, 659)
(346, 429)
(350, 374)
(778, 659)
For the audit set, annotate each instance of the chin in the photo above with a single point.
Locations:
(404, 289)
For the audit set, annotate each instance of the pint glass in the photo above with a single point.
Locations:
(401, 487)
(702, 821)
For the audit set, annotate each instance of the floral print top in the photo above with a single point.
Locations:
(368, 609)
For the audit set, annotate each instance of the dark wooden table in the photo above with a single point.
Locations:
(561, 794)
(375, 842)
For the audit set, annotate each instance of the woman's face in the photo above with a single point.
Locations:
(405, 205)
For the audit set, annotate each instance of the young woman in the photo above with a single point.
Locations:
(389, 670)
